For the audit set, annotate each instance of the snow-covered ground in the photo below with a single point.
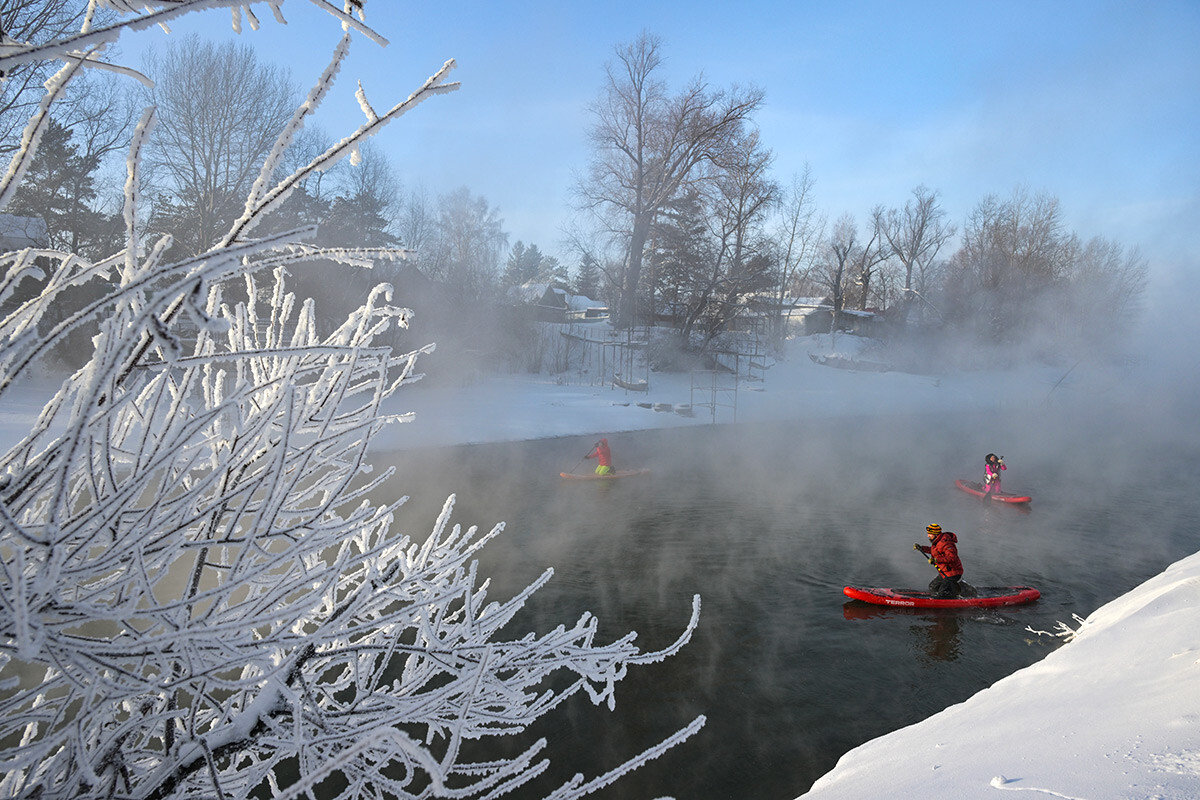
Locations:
(1115, 713)
(518, 407)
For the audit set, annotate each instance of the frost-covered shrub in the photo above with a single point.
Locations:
(198, 596)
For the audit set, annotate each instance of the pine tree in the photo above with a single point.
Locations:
(587, 277)
(59, 188)
(514, 268)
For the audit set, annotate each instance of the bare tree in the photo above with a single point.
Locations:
(1012, 251)
(416, 221)
(741, 194)
(916, 234)
(469, 242)
(1107, 283)
(834, 270)
(32, 22)
(647, 145)
(869, 257)
(219, 112)
(797, 237)
(202, 596)
(367, 198)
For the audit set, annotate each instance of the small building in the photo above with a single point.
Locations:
(17, 233)
(584, 309)
(552, 304)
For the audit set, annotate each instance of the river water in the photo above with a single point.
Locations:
(767, 523)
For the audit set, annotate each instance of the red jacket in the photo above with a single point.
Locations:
(601, 452)
(944, 552)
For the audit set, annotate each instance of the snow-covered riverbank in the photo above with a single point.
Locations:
(517, 407)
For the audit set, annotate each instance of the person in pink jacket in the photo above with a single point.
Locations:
(992, 466)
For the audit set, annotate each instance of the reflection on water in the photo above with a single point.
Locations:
(767, 524)
(935, 633)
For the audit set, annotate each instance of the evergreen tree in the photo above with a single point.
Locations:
(515, 266)
(531, 265)
(59, 188)
(358, 221)
(553, 272)
(587, 277)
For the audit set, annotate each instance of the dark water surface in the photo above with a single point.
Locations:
(767, 523)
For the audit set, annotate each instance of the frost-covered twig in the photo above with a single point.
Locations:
(1001, 782)
(1062, 630)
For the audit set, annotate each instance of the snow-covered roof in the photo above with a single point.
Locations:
(579, 302)
(535, 292)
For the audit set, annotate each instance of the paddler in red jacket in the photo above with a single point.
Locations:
(601, 451)
(943, 554)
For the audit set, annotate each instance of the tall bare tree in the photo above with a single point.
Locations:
(467, 246)
(1107, 283)
(366, 203)
(1014, 256)
(916, 234)
(832, 274)
(22, 84)
(219, 112)
(648, 144)
(797, 236)
(416, 220)
(869, 257)
(741, 194)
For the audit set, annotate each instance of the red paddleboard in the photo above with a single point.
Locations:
(985, 596)
(974, 488)
(591, 476)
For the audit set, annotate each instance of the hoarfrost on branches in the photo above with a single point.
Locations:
(200, 596)
(1062, 630)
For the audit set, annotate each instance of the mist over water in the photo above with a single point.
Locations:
(767, 523)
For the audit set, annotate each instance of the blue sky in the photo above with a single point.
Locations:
(1095, 102)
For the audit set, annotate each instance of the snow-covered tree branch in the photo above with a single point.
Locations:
(201, 594)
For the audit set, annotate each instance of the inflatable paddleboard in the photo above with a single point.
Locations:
(984, 596)
(976, 489)
(591, 476)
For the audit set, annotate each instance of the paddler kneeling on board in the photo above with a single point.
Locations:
(601, 451)
(943, 554)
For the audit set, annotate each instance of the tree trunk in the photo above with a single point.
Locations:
(633, 272)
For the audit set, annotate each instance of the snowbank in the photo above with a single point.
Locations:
(1115, 713)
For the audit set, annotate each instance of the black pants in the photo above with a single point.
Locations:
(942, 586)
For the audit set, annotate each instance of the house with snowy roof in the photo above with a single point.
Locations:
(553, 304)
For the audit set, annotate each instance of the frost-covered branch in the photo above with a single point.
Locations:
(203, 589)
(1062, 630)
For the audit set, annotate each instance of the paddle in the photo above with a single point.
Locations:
(588, 453)
(964, 589)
